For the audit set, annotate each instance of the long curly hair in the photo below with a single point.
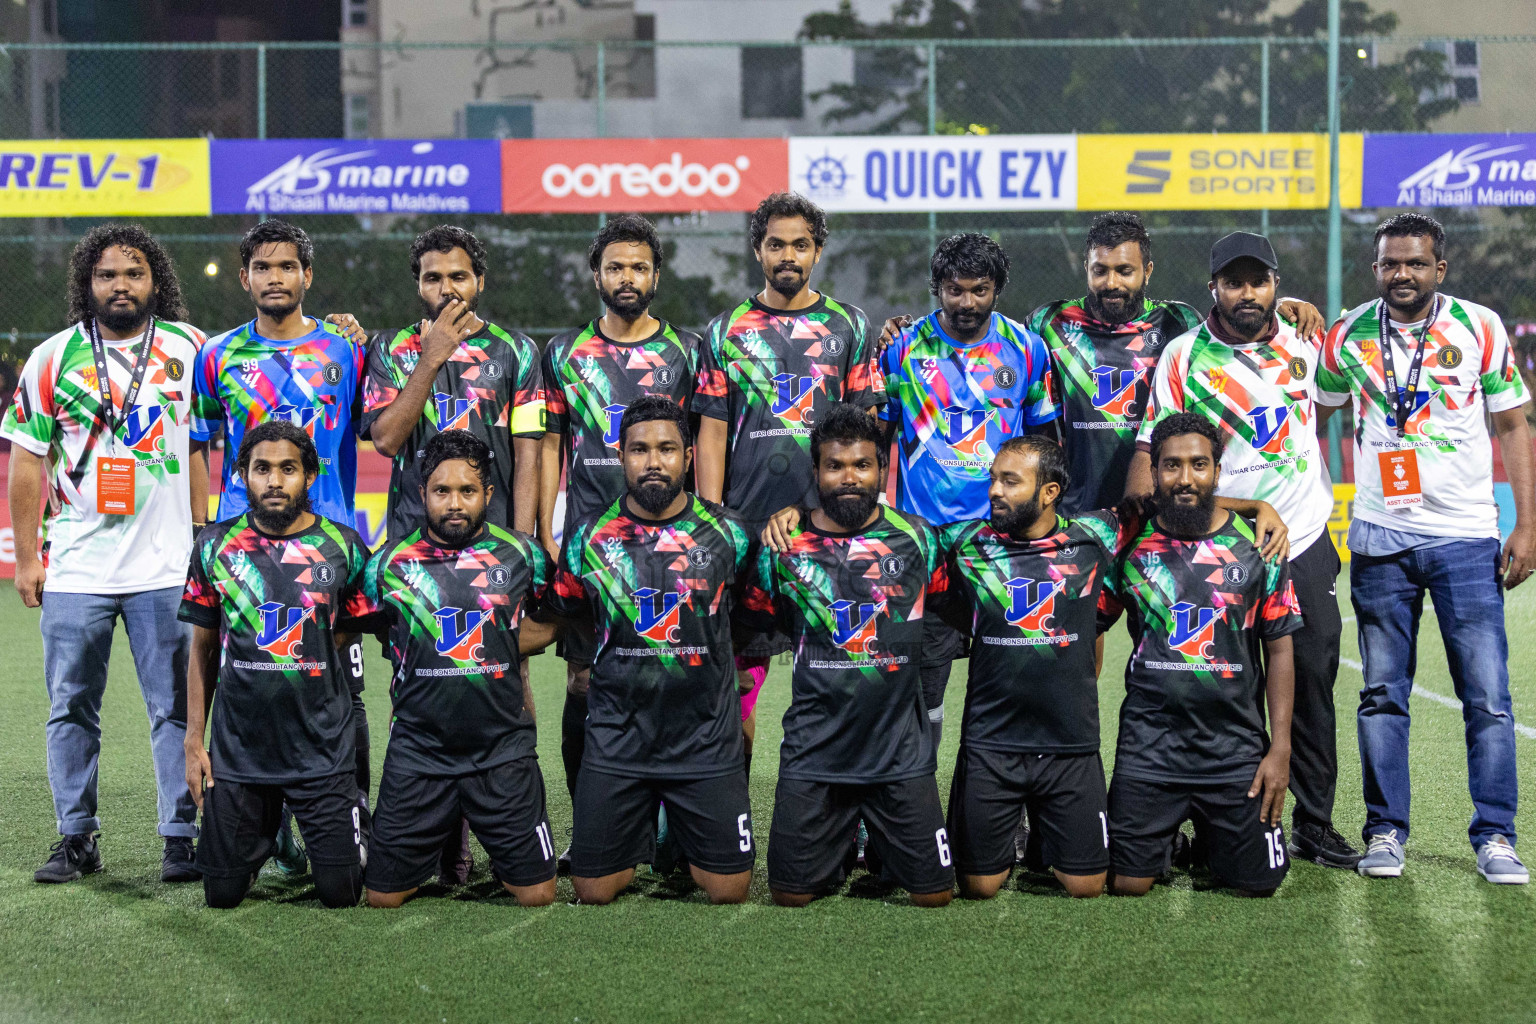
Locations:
(167, 304)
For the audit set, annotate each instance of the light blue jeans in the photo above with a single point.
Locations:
(77, 643)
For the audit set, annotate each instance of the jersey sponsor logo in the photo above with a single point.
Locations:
(965, 431)
(1270, 433)
(461, 642)
(282, 629)
(144, 429)
(854, 625)
(615, 415)
(304, 417)
(657, 615)
(1194, 629)
(1420, 400)
(452, 413)
(1114, 390)
(1032, 604)
(794, 397)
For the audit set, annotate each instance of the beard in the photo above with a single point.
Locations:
(1116, 305)
(787, 279)
(278, 520)
(457, 534)
(1187, 520)
(851, 507)
(655, 493)
(1015, 520)
(969, 321)
(627, 305)
(280, 308)
(121, 321)
(1247, 318)
(435, 310)
(1411, 305)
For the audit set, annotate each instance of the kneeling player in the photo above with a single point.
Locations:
(656, 572)
(270, 595)
(1202, 603)
(850, 591)
(462, 743)
(1026, 586)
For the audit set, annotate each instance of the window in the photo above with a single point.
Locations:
(357, 13)
(1464, 64)
(358, 110)
(772, 81)
(639, 74)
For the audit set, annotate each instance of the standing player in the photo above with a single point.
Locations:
(1254, 376)
(102, 409)
(851, 591)
(455, 371)
(269, 595)
(1428, 373)
(1206, 612)
(591, 376)
(462, 738)
(767, 369)
(286, 366)
(656, 573)
(1029, 583)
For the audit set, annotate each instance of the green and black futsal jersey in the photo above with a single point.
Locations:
(282, 709)
(853, 606)
(453, 617)
(1104, 381)
(662, 701)
(491, 386)
(589, 381)
(768, 373)
(1032, 607)
(1194, 685)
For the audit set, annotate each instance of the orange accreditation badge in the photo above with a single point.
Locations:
(114, 486)
(1400, 479)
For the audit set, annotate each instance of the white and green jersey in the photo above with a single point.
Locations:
(58, 416)
(1263, 397)
(1467, 367)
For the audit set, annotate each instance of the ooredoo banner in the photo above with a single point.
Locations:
(647, 175)
(879, 173)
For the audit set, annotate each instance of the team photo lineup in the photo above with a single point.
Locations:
(670, 512)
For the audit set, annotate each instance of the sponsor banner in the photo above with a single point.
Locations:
(644, 175)
(877, 173)
(104, 178)
(357, 176)
(1450, 170)
(1273, 171)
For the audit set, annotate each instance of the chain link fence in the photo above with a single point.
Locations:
(537, 281)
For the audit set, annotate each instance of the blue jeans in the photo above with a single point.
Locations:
(77, 643)
(1388, 595)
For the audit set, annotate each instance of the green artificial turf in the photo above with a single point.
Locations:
(1439, 944)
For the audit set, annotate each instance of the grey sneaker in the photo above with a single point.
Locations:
(1383, 856)
(1496, 861)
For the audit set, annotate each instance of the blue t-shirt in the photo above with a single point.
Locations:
(315, 382)
(954, 404)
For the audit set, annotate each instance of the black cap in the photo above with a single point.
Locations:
(1239, 244)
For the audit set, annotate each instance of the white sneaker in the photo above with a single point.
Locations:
(1496, 861)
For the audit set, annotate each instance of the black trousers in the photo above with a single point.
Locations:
(1314, 733)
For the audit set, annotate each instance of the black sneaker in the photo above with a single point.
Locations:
(177, 862)
(1322, 844)
(71, 857)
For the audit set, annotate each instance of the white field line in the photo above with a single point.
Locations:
(1438, 698)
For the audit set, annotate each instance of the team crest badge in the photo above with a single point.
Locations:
(1005, 377)
(1235, 574)
(1449, 357)
(663, 376)
(1152, 338)
(175, 368)
(491, 371)
(322, 573)
(1298, 368)
(699, 557)
(332, 373)
(891, 566)
(498, 577)
(832, 345)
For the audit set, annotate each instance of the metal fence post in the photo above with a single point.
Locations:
(933, 129)
(1264, 114)
(1335, 217)
(602, 108)
(261, 90)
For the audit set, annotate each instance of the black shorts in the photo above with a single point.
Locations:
(417, 814)
(1245, 853)
(577, 646)
(814, 824)
(240, 822)
(1064, 794)
(615, 822)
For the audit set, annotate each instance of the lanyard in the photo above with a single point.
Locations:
(109, 415)
(1402, 401)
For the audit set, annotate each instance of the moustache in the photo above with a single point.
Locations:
(791, 268)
